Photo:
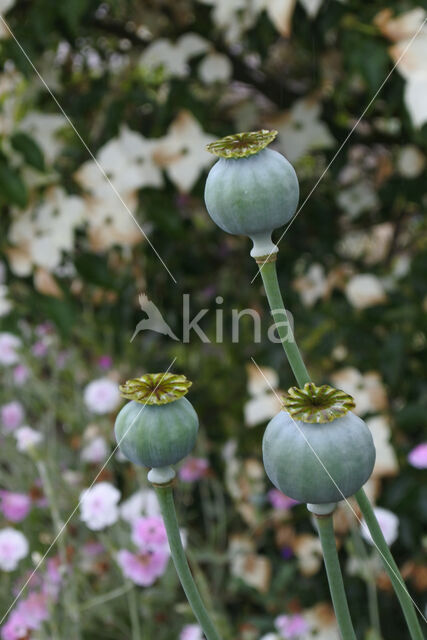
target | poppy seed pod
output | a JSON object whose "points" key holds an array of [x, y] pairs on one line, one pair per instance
{"points": [[316, 450], [251, 190], [159, 426]]}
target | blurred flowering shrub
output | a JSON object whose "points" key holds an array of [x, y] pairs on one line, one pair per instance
{"points": [[91, 196]]}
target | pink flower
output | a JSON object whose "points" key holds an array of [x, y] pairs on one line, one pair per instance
{"points": [[292, 626], [98, 506], [39, 349], [193, 469], [20, 374], [389, 524], [191, 632], [27, 617], [27, 439], [279, 501], [14, 506], [15, 628], [418, 456], [105, 362], [34, 610], [149, 534], [13, 547], [9, 344], [95, 451], [102, 396], [12, 415], [143, 568]]}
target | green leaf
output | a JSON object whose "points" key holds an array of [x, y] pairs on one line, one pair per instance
{"points": [[12, 188], [29, 149]]}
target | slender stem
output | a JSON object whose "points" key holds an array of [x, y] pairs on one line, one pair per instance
{"points": [[165, 497], [333, 570], [368, 576], [69, 592], [134, 615], [390, 566], [271, 285], [275, 300]]}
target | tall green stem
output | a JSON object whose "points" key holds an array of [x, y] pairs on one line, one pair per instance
{"points": [[333, 570], [271, 285], [390, 566], [368, 576], [165, 497], [275, 300]]}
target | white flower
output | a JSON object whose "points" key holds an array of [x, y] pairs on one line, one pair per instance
{"points": [[44, 128], [182, 151], [410, 56], [389, 524], [301, 130], [215, 67], [358, 198], [386, 460], [101, 396], [40, 234], [410, 161], [313, 285], [129, 164], [365, 290], [367, 389], [95, 451], [173, 58], [9, 344], [191, 632], [264, 403], [13, 547], [98, 506], [141, 503], [27, 438]]}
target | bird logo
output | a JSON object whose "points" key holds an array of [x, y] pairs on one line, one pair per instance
{"points": [[154, 321]]}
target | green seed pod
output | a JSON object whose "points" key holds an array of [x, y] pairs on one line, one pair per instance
{"points": [[251, 190], [159, 426], [314, 439]]}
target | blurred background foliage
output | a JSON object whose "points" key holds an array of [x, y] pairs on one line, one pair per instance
{"points": [[143, 87]]}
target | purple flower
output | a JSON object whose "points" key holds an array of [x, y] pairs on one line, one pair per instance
{"points": [[143, 568], [39, 349], [105, 362], [102, 396], [12, 415], [9, 345], [418, 456], [20, 374], [279, 501], [13, 547], [149, 534], [291, 626], [193, 469], [14, 506]]}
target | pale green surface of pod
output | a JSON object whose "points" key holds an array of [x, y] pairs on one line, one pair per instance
{"points": [[156, 435], [252, 195], [344, 446]]}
